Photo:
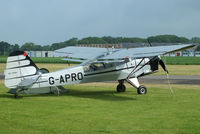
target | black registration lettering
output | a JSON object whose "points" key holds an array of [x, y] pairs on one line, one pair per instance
{"points": [[62, 79], [73, 75], [51, 80], [67, 76], [79, 76]]}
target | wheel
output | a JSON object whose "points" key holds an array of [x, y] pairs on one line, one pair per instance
{"points": [[142, 90], [16, 96], [121, 88]]}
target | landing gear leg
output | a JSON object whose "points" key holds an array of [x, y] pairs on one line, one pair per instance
{"points": [[16, 95], [135, 83], [58, 91], [121, 87]]}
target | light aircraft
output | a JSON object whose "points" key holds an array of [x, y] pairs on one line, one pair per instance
{"points": [[97, 65]]}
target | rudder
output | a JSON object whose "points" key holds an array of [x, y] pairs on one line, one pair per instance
{"points": [[19, 66]]}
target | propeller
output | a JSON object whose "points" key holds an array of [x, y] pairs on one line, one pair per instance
{"points": [[149, 43], [162, 64]]}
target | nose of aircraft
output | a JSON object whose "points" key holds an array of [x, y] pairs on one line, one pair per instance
{"points": [[162, 64]]}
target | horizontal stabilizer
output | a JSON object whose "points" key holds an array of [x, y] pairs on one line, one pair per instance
{"points": [[74, 60], [27, 82]]}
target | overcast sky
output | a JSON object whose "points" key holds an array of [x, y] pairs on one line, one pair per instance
{"points": [[48, 21]]}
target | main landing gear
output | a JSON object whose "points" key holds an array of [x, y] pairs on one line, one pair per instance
{"points": [[134, 82], [16, 95], [121, 87], [141, 90]]}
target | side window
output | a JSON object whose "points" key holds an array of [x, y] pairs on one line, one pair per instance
{"points": [[94, 67], [86, 69], [99, 66]]}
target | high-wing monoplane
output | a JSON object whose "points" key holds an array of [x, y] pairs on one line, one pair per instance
{"points": [[97, 65]]}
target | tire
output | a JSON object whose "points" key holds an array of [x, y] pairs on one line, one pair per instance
{"points": [[121, 88], [16, 96], [142, 90]]}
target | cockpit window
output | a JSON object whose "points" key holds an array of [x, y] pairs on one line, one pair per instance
{"points": [[98, 66]]}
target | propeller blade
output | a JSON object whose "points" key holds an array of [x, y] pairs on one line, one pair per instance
{"points": [[162, 64], [149, 43]]}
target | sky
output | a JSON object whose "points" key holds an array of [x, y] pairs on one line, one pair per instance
{"points": [[44, 22]]}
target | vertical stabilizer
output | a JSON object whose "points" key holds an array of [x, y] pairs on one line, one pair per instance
{"points": [[19, 67]]}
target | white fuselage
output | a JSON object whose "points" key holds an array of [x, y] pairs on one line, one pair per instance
{"points": [[98, 73]]}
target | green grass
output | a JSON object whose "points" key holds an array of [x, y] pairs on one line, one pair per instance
{"points": [[173, 69], [180, 70], [48, 60], [3, 59], [98, 109], [181, 60]]}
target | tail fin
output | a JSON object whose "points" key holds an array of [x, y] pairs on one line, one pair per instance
{"points": [[18, 67]]}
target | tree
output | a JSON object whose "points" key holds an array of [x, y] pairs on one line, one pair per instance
{"points": [[112, 40], [46, 48], [27, 46], [92, 40], [4, 48], [70, 42], [195, 40], [109, 39], [15, 47], [31, 47], [168, 39]]}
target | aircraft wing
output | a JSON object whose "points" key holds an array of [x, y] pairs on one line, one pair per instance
{"points": [[146, 51], [90, 54], [83, 52]]}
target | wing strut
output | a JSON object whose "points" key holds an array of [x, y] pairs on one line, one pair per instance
{"points": [[133, 71], [134, 81]]}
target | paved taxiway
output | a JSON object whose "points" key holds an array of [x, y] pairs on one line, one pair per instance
{"points": [[174, 79]]}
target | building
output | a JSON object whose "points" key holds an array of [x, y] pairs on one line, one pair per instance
{"points": [[40, 53], [101, 45]]}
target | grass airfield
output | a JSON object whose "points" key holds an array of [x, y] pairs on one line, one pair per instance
{"points": [[173, 69], [97, 109]]}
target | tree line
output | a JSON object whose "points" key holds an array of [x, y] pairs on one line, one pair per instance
{"points": [[6, 48]]}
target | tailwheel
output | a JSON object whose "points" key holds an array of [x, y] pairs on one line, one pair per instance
{"points": [[121, 88], [16, 95], [142, 90]]}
